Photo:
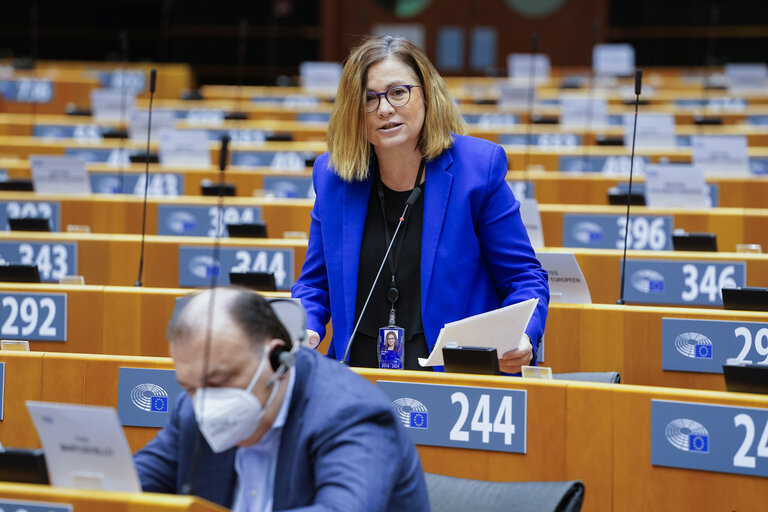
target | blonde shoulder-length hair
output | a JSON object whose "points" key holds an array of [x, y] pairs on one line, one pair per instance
{"points": [[350, 151]]}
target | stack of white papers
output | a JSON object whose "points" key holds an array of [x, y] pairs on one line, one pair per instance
{"points": [[501, 329]]}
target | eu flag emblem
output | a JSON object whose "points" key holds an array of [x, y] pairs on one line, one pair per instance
{"points": [[159, 404], [656, 286], [698, 443], [418, 419], [703, 351]]}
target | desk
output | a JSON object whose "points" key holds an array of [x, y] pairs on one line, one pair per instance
{"points": [[601, 267], [121, 214], [130, 321], [98, 501], [592, 188], [598, 433], [731, 225], [114, 259]]}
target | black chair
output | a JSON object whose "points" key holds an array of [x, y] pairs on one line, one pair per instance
{"points": [[605, 377], [450, 494]]}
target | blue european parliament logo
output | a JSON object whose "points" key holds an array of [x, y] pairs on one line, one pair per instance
{"points": [[146, 396], [418, 420], [412, 413], [687, 435]]}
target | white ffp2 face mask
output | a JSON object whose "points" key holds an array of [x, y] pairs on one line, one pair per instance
{"points": [[227, 416]]}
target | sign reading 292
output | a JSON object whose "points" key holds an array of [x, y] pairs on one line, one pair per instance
{"points": [[33, 316], [53, 260]]}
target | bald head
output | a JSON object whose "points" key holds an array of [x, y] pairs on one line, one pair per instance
{"points": [[225, 310]]}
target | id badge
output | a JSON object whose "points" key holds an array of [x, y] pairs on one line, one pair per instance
{"points": [[391, 348]]}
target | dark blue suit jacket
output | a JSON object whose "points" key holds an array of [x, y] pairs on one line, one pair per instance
{"points": [[475, 251], [341, 449]]}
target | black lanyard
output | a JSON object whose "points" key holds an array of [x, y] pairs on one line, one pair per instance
{"points": [[393, 294]]}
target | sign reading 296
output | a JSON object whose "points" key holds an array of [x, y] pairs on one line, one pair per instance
{"points": [[53, 260], [33, 316]]}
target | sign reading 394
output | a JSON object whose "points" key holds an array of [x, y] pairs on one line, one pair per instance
{"points": [[53, 260], [33, 316], [197, 266]]}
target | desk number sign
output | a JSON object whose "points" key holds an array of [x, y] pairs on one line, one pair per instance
{"points": [[492, 419]]}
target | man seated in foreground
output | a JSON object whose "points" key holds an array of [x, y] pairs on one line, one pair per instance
{"points": [[275, 435]]}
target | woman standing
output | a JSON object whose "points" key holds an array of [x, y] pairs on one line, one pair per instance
{"points": [[461, 250]]}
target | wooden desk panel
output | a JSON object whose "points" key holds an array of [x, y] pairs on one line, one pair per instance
{"points": [[99, 501], [114, 259], [130, 321], [636, 481], [581, 188], [731, 225], [594, 432]]}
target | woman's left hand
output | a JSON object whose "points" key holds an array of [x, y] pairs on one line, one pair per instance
{"points": [[512, 360]]}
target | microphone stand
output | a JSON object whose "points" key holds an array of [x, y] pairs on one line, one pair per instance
{"points": [[638, 87]]}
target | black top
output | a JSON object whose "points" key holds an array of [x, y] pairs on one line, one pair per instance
{"points": [[408, 274]]}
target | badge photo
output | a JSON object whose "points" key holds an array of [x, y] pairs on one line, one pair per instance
{"points": [[391, 349]]}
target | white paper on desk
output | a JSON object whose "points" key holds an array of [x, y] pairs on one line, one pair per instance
{"points": [[501, 329], [85, 446]]}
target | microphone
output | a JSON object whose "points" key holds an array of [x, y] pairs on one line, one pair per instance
{"points": [[408, 205], [638, 88], [189, 486], [531, 94], [152, 84]]}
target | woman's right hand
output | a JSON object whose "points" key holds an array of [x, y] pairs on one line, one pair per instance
{"points": [[313, 339]]}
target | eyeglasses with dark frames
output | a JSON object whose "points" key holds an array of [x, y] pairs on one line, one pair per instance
{"points": [[397, 96]]}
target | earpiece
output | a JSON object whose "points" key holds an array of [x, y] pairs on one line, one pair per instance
{"points": [[281, 356]]}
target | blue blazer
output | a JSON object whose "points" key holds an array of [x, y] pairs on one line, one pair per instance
{"points": [[475, 251], [342, 448]]}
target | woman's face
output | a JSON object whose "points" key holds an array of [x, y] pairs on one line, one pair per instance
{"points": [[391, 127], [391, 340]]}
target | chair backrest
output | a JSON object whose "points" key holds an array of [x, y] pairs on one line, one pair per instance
{"points": [[449, 494], [607, 377]]}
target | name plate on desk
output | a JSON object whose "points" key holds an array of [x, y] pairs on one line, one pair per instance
{"points": [[201, 220], [33, 506], [542, 140], [289, 186], [689, 345], [161, 184], [53, 260], [26, 90], [50, 210], [492, 419], [648, 232], [709, 437], [33, 316], [146, 396], [80, 132], [286, 160], [609, 165], [197, 266], [681, 282]]}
